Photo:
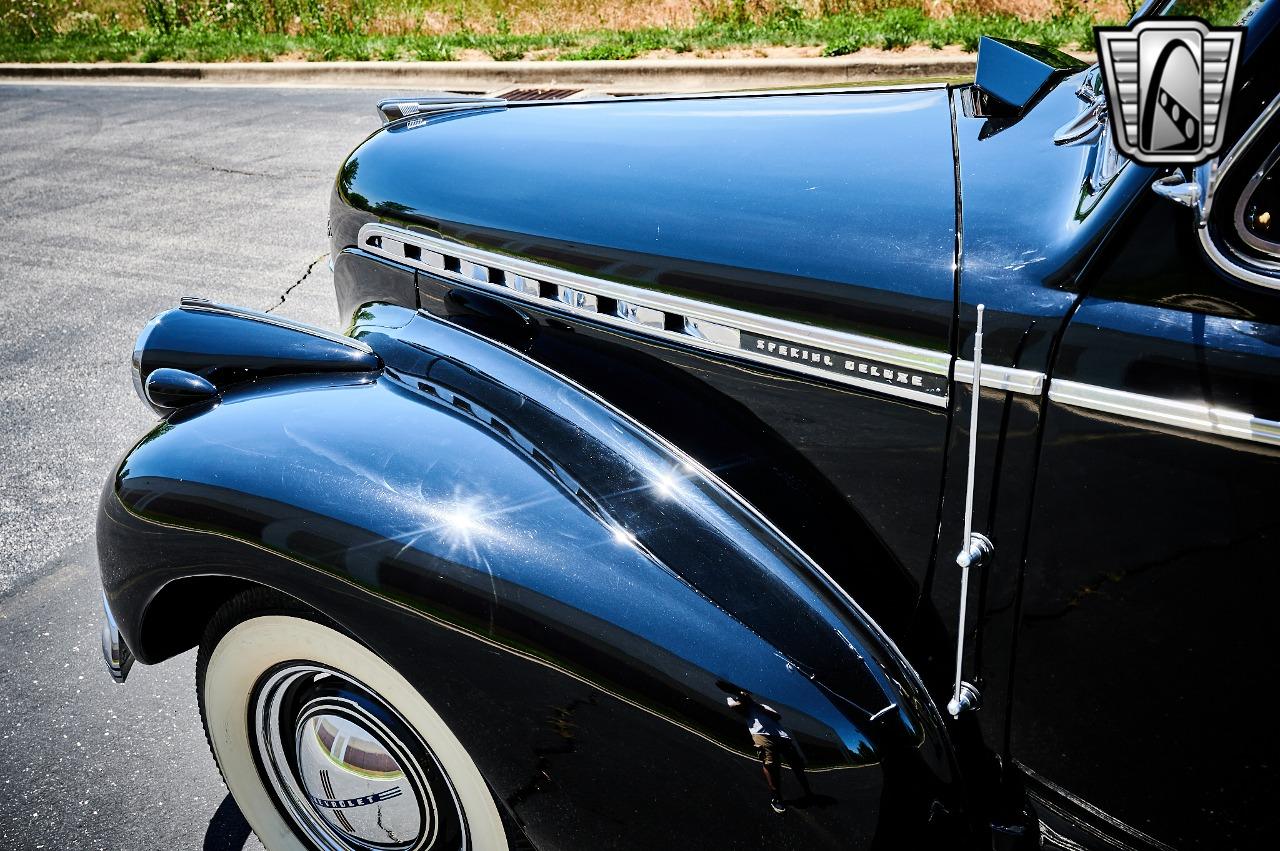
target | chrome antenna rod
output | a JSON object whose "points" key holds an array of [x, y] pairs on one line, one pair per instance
{"points": [[976, 547]]}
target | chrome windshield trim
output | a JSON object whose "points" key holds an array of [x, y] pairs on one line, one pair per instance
{"points": [[1238, 149], [1257, 243], [1197, 416], [1246, 269], [1233, 267]]}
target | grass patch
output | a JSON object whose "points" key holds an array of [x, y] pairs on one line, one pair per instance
{"points": [[226, 30]]}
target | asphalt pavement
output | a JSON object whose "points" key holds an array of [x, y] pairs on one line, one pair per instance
{"points": [[115, 202]]}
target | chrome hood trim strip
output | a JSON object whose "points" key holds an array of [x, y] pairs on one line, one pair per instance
{"points": [[907, 372], [1197, 416]]}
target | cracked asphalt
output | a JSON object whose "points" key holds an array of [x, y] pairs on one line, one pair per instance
{"points": [[116, 201]]}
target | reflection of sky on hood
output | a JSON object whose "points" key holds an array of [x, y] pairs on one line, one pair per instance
{"points": [[878, 106], [855, 188]]}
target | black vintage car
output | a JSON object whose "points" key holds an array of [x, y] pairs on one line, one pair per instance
{"points": [[647, 502]]}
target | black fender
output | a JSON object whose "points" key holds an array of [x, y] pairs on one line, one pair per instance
{"points": [[576, 597]]}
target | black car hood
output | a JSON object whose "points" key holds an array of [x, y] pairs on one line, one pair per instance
{"points": [[794, 203]]}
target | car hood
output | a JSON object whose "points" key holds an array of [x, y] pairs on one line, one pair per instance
{"points": [[795, 203]]}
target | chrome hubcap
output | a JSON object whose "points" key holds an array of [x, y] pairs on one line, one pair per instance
{"points": [[355, 783], [347, 769]]}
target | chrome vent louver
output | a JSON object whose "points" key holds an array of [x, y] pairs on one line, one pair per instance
{"points": [[406, 248], [540, 94]]}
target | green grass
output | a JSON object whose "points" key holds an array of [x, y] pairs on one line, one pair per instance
{"points": [[837, 34]]}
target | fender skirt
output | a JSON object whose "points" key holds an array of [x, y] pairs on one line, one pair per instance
{"points": [[581, 601]]}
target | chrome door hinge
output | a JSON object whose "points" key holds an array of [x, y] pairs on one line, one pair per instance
{"points": [[976, 548]]}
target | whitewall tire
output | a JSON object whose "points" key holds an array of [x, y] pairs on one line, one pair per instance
{"points": [[324, 745]]}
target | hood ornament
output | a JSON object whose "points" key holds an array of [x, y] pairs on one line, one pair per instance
{"points": [[394, 109], [1087, 126], [1092, 126]]}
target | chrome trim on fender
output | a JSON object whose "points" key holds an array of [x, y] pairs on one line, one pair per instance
{"points": [[114, 651], [1007, 378], [1196, 416], [907, 372]]}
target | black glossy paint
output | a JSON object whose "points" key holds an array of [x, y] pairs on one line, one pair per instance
{"points": [[168, 389], [1118, 637], [1143, 598], [226, 346], [1150, 627], [1025, 262], [794, 205], [1031, 220], [1014, 72], [780, 207], [510, 523]]}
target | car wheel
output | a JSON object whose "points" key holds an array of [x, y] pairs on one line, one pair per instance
{"points": [[325, 746]]}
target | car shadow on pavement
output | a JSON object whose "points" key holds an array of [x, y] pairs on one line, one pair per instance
{"points": [[228, 831]]}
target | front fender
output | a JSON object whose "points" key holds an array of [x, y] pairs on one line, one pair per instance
{"points": [[506, 539]]}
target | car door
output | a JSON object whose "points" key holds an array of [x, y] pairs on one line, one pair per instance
{"points": [[1146, 627]]}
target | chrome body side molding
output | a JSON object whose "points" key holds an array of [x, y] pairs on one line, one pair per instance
{"points": [[907, 372], [1197, 416], [1025, 381]]}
